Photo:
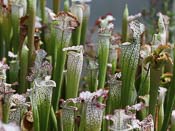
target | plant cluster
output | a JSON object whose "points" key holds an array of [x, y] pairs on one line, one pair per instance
{"points": [[54, 77]]}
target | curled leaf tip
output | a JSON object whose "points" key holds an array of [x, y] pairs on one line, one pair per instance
{"points": [[66, 21], [88, 96], [105, 24], [42, 69], [74, 48], [137, 28]]}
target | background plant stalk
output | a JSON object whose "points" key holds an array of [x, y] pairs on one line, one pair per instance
{"points": [[64, 39], [31, 11], [103, 53], [56, 6], [171, 100]]}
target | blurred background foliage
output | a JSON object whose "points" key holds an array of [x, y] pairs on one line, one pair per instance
{"points": [[148, 7]]}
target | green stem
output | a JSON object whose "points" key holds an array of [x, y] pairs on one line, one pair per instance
{"points": [[171, 99], [44, 112], [113, 58], [144, 89], [23, 69], [6, 111], [154, 86], [51, 44], [83, 116], [77, 10], [114, 65], [76, 35], [15, 38], [85, 21], [103, 53], [31, 11], [54, 119], [145, 81], [42, 10], [59, 66], [160, 116], [42, 13], [83, 30], [161, 99], [36, 118], [56, 6], [13, 72], [92, 76], [172, 121], [5, 35]]}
